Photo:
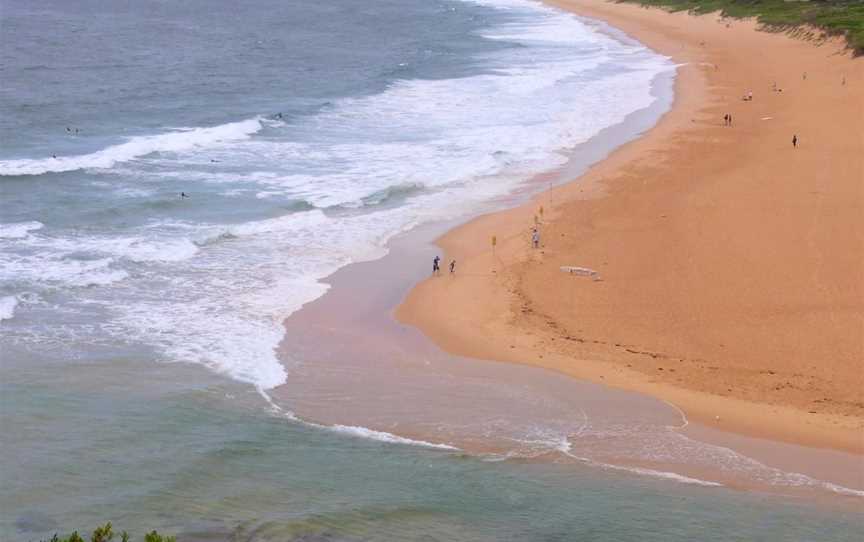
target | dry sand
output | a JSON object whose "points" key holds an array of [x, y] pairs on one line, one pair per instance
{"points": [[731, 263]]}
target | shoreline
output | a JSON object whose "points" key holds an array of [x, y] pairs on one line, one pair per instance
{"points": [[402, 388], [515, 304]]}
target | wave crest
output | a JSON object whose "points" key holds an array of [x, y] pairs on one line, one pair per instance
{"points": [[18, 230], [135, 147]]}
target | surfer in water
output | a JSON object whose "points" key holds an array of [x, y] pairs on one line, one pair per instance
{"points": [[183, 195]]}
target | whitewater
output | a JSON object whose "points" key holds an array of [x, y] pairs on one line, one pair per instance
{"points": [[279, 202]]}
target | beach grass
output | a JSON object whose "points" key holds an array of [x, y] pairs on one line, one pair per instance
{"points": [[834, 17]]}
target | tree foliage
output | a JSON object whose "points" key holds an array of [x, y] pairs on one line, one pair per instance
{"points": [[105, 533]]}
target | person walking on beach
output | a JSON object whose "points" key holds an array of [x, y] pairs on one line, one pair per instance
{"points": [[452, 267], [794, 140], [435, 267], [535, 238], [726, 119]]}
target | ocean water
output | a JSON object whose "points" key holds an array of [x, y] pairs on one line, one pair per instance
{"points": [[306, 136], [138, 328]]}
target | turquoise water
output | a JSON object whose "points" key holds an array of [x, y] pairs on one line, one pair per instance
{"points": [[210, 461]]}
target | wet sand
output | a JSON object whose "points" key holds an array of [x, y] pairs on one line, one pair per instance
{"points": [[731, 264], [356, 369], [353, 367]]}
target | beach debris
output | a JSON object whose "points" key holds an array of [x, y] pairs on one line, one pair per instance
{"points": [[581, 271]]}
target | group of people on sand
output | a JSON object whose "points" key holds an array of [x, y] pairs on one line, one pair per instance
{"points": [[748, 97], [436, 261], [436, 266]]}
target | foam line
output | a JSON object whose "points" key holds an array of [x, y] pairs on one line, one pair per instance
{"points": [[353, 430], [135, 147]]}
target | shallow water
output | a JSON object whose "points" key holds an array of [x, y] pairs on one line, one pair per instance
{"points": [[158, 452], [354, 368]]}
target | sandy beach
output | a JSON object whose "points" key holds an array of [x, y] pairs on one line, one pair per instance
{"points": [[730, 264]]}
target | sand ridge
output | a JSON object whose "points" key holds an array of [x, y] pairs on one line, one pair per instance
{"points": [[731, 264]]}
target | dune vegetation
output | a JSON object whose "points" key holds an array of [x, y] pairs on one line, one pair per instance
{"points": [[833, 17]]}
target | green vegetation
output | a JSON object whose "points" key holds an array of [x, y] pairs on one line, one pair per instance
{"points": [[105, 533], [834, 17]]}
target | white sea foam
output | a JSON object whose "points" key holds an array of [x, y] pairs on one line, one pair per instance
{"points": [[58, 271], [142, 250], [353, 430], [19, 230], [842, 490], [660, 474], [156, 247], [136, 147], [364, 432], [372, 166], [7, 307]]}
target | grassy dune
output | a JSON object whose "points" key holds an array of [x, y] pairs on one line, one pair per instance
{"points": [[834, 17]]}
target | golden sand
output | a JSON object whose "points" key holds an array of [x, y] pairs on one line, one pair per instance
{"points": [[731, 264]]}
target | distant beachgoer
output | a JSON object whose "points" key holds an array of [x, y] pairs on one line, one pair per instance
{"points": [[435, 267], [730, 119], [804, 76], [726, 119], [535, 238], [794, 140], [843, 82], [749, 95], [452, 267]]}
